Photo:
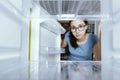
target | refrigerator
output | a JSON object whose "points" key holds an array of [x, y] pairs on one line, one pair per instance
{"points": [[30, 37]]}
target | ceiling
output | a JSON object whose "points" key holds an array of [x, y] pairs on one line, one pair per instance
{"points": [[71, 7]]}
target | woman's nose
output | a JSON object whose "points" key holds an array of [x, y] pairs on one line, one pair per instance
{"points": [[77, 31]]}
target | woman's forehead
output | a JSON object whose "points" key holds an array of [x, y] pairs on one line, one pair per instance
{"points": [[77, 22]]}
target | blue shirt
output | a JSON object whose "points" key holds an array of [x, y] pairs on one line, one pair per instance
{"points": [[82, 52]]}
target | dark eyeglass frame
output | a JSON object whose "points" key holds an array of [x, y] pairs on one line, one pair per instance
{"points": [[80, 28]]}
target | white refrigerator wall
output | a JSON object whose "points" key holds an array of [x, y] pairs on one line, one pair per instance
{"points": [[110, 50], [14, 39], [110, 38], [8, 30], [14, 34]]}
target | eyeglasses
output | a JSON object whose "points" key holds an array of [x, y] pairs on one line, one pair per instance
{"points": [[80, 28]]}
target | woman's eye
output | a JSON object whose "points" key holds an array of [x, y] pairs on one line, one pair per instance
{"points": [[72, 28], [80, 26]]}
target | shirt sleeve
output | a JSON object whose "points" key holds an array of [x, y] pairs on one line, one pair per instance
{"points": [[95, 39], [67, 37]]}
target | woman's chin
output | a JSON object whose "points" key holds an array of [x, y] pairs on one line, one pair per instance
{"points": [[78, 37]]}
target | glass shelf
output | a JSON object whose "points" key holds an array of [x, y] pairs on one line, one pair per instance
{"points": [[53, 26], [51, 50]]}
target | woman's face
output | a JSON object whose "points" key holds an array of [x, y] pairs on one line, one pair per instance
{"points": [[78, 28]]}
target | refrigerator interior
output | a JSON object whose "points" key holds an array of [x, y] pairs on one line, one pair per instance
{"points": [[30, 39]]}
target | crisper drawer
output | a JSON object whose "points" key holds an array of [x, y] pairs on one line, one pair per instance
{"points": [[70, 70], [81, 70]]}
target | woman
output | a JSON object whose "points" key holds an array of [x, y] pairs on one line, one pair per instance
{"points": [[80, 43]]}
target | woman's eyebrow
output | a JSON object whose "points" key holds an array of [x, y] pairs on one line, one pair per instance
{"points": [[81, 24], [72, 26]]}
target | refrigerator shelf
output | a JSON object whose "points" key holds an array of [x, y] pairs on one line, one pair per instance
{"points": [[51, 50]]}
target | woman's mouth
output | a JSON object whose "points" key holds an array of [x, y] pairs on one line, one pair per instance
{"points": [[78, 35]]}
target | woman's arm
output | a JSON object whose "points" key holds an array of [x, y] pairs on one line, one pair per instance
{"points": [[99, 30], [97, 47], [97, 51], [63, 43]]}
